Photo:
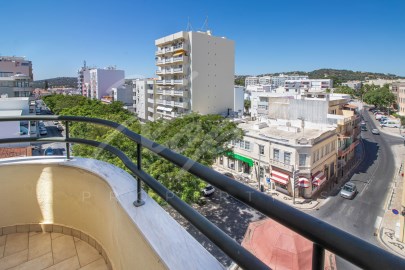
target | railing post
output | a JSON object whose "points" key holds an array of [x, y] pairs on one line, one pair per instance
{"points": [[67, 137], [318, 257], [138, 201]]}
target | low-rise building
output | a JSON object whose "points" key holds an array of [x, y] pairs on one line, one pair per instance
{"points": [[251, 81], [98, 83], [401, 98], [308, 85], [281, 155], [355, 85], [15, 76]]}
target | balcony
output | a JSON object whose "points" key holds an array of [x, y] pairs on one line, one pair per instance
{"points": [[177, 70], [150, 91], [178, 81], [181, 104], [178, 59], [178, 47], [151, 100], [150, 109], [281, 165], [150, 118], [106, 207]]}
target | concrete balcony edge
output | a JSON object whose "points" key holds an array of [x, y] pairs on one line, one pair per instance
{"points": [[176, 248]]}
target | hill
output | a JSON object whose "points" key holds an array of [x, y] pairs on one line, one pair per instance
{"points": [[338, 75], [69, 82]]}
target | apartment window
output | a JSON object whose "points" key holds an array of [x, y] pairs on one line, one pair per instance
{"points": [[302, 159], [247, 145], [261, 172], [287, 158], [276, 154], [242, 144], [261, 149]]}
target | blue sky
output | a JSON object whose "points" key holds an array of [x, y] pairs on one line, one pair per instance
{"points": [[270, 36]]}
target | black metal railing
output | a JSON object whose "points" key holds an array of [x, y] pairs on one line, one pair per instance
{"points": [[323, 235]]}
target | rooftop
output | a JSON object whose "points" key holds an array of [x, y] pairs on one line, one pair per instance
{"points": [[279, 130]]}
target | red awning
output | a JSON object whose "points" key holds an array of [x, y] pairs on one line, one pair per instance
{"points": [[318, 178], [279, 177], [303, 182]]}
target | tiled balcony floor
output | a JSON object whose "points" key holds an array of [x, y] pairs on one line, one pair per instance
{"points": [[51, 251]]}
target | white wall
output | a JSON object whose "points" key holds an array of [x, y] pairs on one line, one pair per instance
{"points": [[213, 70], [238, 101]]}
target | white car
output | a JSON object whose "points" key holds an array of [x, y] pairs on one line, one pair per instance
{"points": [[208, 190], [375, 131]]}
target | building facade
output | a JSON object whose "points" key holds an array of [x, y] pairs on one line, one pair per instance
{"points": [[196, 74], [99, 83], [15, 76], [401, 98], [251, 81], [143, 97], [284, 157], [308, 85]]}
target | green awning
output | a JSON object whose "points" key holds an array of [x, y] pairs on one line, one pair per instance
{"points": [[249, 161]]}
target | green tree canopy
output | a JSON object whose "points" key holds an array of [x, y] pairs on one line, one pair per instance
{"points": [[202, 138], [379, 96]]}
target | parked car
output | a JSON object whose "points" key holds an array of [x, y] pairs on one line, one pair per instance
{"points": [[60, 127], [375, 131], [348, 191], [55, 122], [363, 128], [49, 152], [43, 131], [208, 190], [391, 123]]}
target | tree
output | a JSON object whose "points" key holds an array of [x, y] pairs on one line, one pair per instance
{"points": [[202, 138], [379, 96], [247, 104], [344, 90]]}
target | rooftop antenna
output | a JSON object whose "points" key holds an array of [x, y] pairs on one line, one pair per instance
{"points": [[204, 27], [84, 64], [189, 27]]}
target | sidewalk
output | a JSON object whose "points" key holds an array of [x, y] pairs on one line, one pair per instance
{"points": [[389, 226], [300, 203]]}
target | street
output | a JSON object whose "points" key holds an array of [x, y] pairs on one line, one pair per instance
{"points": [[52, 131], [372, 177]]}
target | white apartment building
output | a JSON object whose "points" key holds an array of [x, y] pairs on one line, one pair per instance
{"points": [[196, 74], [143, 99], [99, 83], [265, 80], [251, 81], [260, 88], [278, 81], [15, 76], [16, 106], [308, 85], [239, 100], [355, 85], [123, 93]]}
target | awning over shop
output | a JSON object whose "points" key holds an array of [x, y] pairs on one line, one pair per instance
{"points": [[318, 178], [178, 53], [304, 182], [247, 160], [279, 177]]}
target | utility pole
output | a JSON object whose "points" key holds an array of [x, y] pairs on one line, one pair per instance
{"points": [[293, 184]]}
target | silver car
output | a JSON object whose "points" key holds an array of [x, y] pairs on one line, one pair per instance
{"points": [[348, 191]]}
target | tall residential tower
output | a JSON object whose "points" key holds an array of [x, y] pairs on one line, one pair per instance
{"points": [[196, 74]]}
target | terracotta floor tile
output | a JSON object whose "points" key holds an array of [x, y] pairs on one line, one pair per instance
{"points": [[63, 248], [13, 260], [39, 263], [97, 265], [15, 242], [86, 253], [68, 264], [39, 245]]}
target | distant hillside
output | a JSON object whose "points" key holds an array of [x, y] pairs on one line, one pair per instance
{"points": [[70, 82], [338, 75]]}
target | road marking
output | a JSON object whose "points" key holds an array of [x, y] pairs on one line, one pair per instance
{"points": [[377, 222]]}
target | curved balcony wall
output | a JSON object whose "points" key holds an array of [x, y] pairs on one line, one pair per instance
{"points": [[96, 198]]}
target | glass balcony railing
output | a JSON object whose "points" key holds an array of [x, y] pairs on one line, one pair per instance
{"points": [[323, 235]]}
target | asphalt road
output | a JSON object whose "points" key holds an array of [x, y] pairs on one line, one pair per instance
{"points": [[372, 177]]}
